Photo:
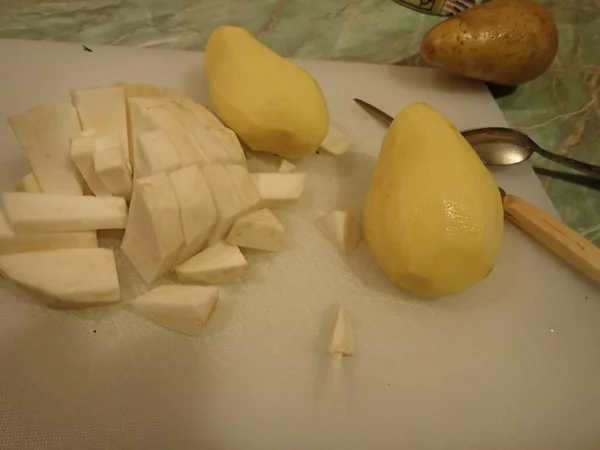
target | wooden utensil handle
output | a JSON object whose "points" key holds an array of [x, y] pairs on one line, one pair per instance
{"points": [[557, 237]]}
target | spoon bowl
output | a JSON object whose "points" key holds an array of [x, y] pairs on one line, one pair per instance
{"points": [[500, 146]]}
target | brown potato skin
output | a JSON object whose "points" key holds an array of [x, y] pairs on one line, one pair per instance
{"points": [[505, 42]]}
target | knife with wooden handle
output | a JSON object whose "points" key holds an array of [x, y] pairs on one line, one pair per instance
{"points": [[554, 235]]}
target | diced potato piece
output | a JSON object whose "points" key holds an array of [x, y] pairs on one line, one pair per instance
{"points": [[215, 146], [278, 189], [178, 127], [342, 345], [164, 116], [286, 167], [83, 148], [336, 142], [70, 278], [46, 213], [198, 210], [231, 142], [229, 206], [154, 236], [220, 263], [173, 94], [24, 243], [206, 118], [112, 168], [28, 183], [203, 115], [212, 144], [150, 108], [141, 90], [185, 309], [190, 152], [244, 186], [138, 120], [103, 110], [260, 230], [156, 154], [44, 134], [341, 228], [342, 342]]}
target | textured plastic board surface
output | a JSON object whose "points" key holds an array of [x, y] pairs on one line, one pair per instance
{"points": [[512, 363]]}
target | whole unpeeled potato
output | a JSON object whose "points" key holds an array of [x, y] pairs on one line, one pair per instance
{"points": [[505, 42]]}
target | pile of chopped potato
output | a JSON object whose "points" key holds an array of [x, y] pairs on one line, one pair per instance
{"points": [[162, 167]]}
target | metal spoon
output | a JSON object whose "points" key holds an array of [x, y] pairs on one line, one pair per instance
{"points": [[497, 146]]}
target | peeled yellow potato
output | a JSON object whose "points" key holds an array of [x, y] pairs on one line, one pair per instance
{"points": [[507, 42], [433, 215], [272, 104]]}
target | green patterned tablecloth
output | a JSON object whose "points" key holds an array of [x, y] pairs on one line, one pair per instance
{"points": [[559, 110]]}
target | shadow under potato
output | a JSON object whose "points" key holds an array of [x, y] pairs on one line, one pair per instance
{"points": [[497, 90], [500, 90]]}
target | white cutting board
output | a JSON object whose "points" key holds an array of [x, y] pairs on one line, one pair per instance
{"points": [[512, 363]]}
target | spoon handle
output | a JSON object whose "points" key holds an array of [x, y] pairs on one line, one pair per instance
{"points": [[569, 177], [581, 166], [553, 234]]}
